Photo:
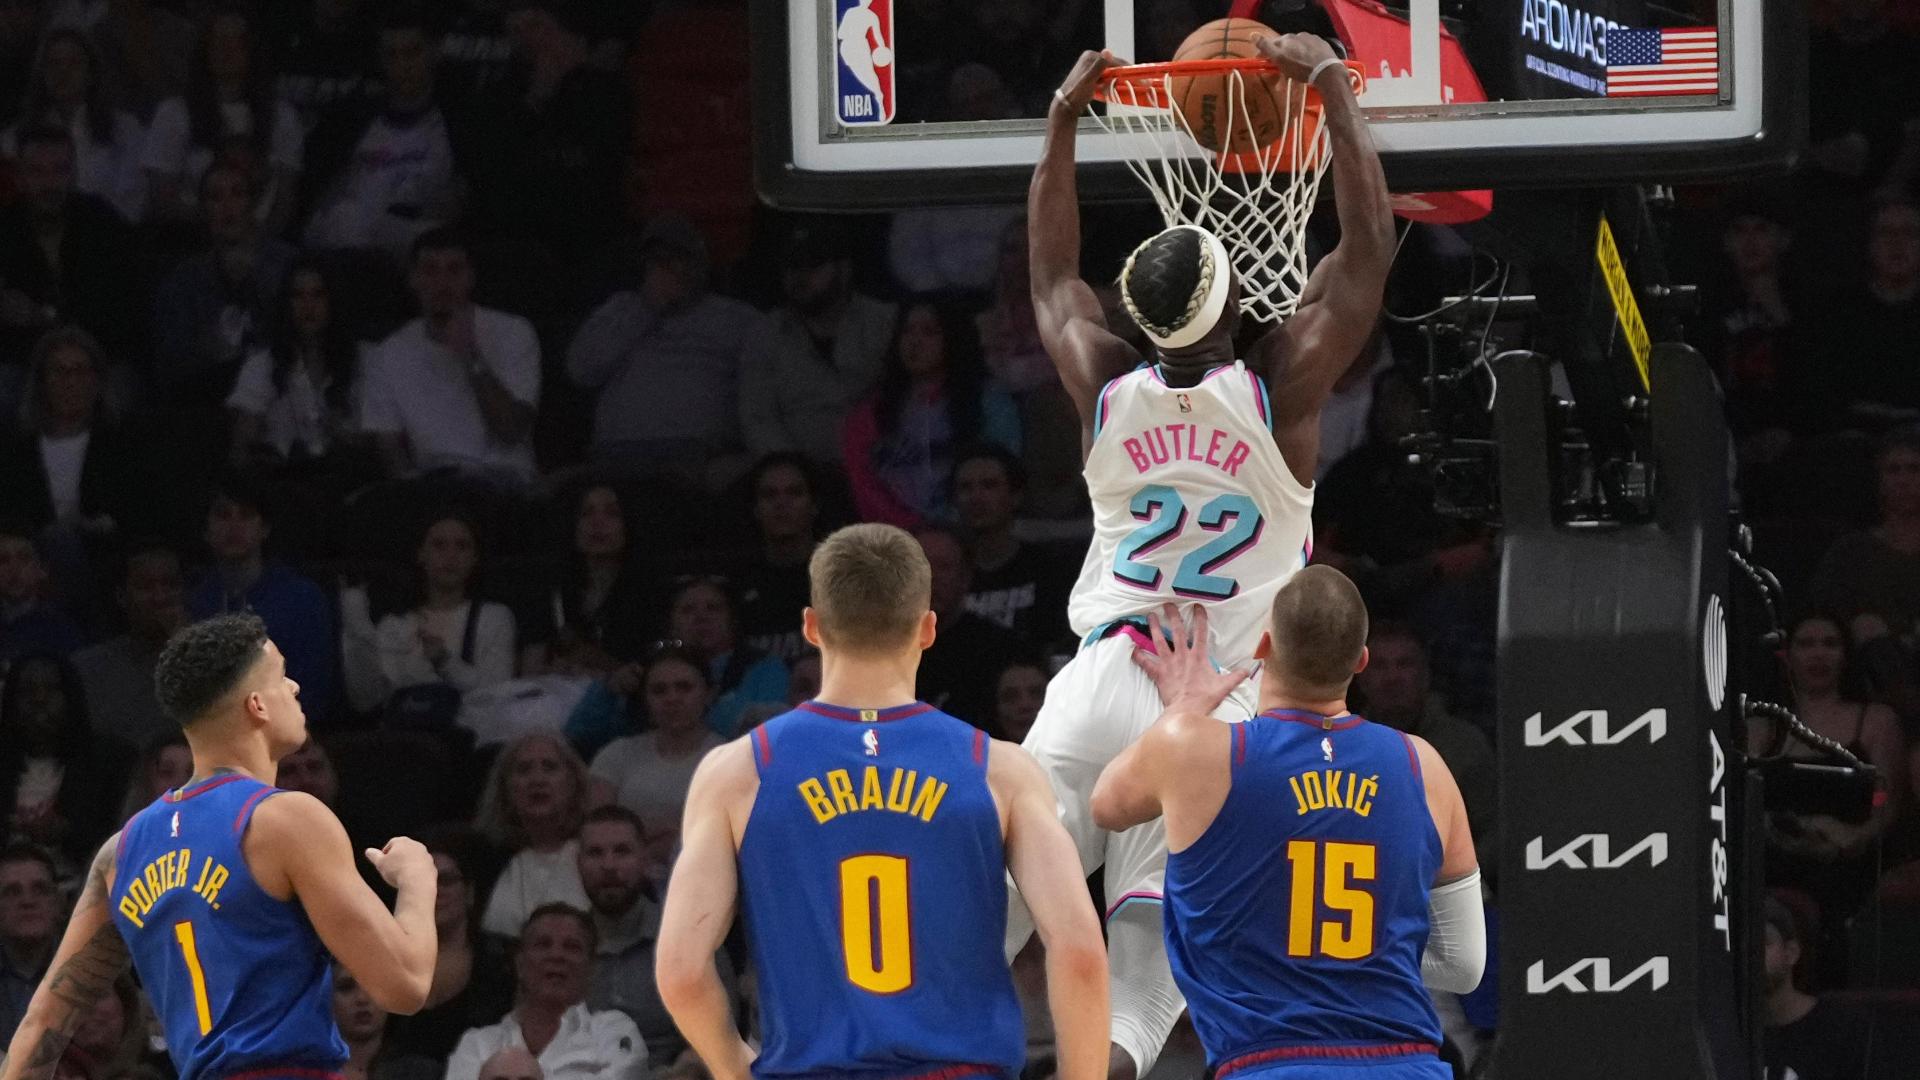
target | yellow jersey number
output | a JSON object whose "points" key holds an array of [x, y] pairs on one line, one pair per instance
{"points": [[1343, 863], [876, 929], [190, 952]]}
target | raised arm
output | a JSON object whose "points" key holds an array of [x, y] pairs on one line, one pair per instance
{"points": [[297, 849], [90, 957], [699, 910], [1046, 869], [1303, 357], [1073, 326]]}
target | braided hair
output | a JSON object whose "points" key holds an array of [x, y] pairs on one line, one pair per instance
{"points": [[1166, 279]]}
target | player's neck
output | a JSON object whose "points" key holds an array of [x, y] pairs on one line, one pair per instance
{"points": [[868, 682], [1275, 696], [212, 758]]}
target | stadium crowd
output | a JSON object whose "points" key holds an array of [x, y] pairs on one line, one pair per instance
{"points": [[451, 342]]}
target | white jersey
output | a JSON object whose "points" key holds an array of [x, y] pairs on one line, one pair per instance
{"points": [[1191, 501]]}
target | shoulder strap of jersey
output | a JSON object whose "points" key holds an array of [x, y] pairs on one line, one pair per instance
{"points": [[1262, 401], [763, 746], [1103, 404], [252, 803]]}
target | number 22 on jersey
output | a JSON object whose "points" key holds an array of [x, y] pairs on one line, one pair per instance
{"points": [[876, 931], [1325, 873], [1163, 514]]}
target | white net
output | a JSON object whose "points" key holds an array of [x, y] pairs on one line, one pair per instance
{"points": [[1257, 202]]}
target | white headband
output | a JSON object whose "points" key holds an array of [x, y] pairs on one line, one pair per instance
{"points": [[1216, 272]]}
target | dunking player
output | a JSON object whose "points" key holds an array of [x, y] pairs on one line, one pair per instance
{"points": [[1321, 866], [1201, 469], [868, 836], [228, 894]]}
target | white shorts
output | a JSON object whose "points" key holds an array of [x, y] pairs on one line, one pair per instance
{"points": [[1096, 707]]}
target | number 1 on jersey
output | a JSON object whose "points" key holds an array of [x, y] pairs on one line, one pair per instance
{"points": [[1344, 863], [183, 933], [876, 929]]}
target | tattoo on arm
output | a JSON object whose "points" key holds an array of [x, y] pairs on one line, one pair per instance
{"points": [[90, 972]]}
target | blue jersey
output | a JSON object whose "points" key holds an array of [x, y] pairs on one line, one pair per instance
{"points": [[874, 883], [1296, 922], [239, 979]]}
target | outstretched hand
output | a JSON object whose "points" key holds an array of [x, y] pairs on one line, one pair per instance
{"points": [[1180, 665], [1081, 83]]}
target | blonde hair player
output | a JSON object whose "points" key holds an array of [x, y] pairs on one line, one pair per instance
{"points": [[1200, 464], [866, 834]]}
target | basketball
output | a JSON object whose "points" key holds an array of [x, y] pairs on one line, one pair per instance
{"points": [[1203, 99]]}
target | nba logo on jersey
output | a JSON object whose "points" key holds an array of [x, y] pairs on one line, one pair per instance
{"points": [[176, 823], [872, 742], [864, 54], [1326, 749], [1186, 403]]}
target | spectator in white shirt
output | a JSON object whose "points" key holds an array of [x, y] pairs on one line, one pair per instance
{"points": [[534, 803], [457, 387], [388, 175], [229, 112], [512, 1063], [447, 637], [296, 398], [650, 773], [66, 91], [550, 1018]]}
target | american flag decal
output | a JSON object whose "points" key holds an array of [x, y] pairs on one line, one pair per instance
{"points": [[1647, 63]]}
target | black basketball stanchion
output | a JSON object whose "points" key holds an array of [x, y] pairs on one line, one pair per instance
{"points": [[1625, 935]]}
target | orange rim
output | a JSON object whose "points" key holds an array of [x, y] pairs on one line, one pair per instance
{"points": [[1145, 78]]}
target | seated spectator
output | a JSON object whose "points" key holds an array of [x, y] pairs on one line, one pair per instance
{"points": [[932, 399], [650, 773], [56, 788], [626, 916], [66, 90], [296, 397], [111, 1039], [803, 677], [1806, 1036], [446, 637], [1009, 331], [964, 645], [669, 340], [29, 622], [511, 1063], [229, 114], [1018, 692], [1833, 861], [1397, 690], [165, 763], [215, 304], [65, 258], [592, 621], [242, 578], [1018, 587], [1877, 571], [387, 174], [457, 387], [552, 167], [771, 576], [701, 616], [310, 769], [1864, 360], [553, 964], [1749, 333], [73, 469], [823, 353], [29, 927], [363, 1026], [535, 799], [117, 674], [471, 980]]}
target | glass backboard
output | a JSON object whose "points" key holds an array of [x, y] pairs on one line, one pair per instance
{"points": [[863, 104]]}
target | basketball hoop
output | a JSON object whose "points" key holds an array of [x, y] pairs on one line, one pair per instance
{"points": [[1256, 201]]}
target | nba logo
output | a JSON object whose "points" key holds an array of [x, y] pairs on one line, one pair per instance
{"points": [[871, 741], [1186, 403], [864, 33], [176, 823]]}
